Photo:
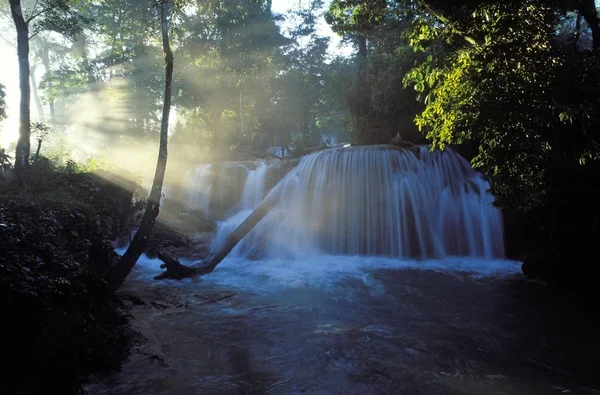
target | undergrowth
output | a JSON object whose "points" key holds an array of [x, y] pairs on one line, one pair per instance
{"points": [[60, 323]]}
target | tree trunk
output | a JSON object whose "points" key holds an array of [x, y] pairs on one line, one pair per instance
{"points": [[37, 152], [36, 97], [23, 145], [363, 93], [362, 60], [119, 272], [241, 110], [587, 8], [80, 47], [52, 111], [577, 34], [45, 57], [176, 270]]}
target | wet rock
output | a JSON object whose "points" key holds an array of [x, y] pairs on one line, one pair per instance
{"points": [[133, 299], [277, 170], [175, 215], [227, 188], [177, 243], [191, 251], [160, 305]]}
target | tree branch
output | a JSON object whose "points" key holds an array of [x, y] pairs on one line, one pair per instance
{"points": [[42, 11], [33, 10], [33, 35], [447, 21]]}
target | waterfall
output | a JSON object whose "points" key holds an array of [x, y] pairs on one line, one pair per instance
{"points": [[379, 200], [218, 189], [254, 188], [199, 188], [253, 192]]}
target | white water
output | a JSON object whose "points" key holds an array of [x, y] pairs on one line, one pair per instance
{"points": [[254, 189], [348, 211], [225, 188], [254, 192], [324, 272], [199, 187], [379, 201]]}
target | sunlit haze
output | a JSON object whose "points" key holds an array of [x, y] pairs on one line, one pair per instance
{"points": [[9, 70], [95, 117]]}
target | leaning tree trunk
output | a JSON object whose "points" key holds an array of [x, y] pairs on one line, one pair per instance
{"points": [[176, 270], [119, 272], [23, 148]]}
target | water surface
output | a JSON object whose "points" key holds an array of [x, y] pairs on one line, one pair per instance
{"points": [[355, 325]]}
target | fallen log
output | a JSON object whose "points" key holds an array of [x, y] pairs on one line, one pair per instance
{"points": [[176, 270]]}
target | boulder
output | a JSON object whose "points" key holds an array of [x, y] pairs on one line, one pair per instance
{"points": [[175, 215], [277, 170]]}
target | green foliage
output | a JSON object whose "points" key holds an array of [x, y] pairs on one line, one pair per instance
{"points": [[58, 150], [299, 91], [66, 82], [5, 160], [380, 106], [225, 52], [60, 16], [355, 16], [40, 131], [506, 90], [241, 82], [499, 77]]}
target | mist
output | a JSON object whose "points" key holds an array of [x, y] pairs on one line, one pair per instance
{"points": [[246, 77]]}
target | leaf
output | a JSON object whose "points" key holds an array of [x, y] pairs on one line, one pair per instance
{"points": [[565, 118], [471, 41], [427, 98]]}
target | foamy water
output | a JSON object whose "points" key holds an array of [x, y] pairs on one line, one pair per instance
{"points": [[324, 271]]}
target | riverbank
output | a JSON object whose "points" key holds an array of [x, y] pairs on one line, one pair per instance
{"points": [[60, 322]]}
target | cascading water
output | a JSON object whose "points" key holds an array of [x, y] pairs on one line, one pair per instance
{"points": [[254, 188], [253, 193], [379, 200], [217, 189], [199, 185]]}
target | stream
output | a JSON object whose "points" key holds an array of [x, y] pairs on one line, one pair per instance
{"points": [[352, 285], [356, 325]]}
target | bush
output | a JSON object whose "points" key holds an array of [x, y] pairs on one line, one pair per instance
{"points": [[60, 322]]}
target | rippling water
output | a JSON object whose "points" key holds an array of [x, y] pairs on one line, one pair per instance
{"points": [[355, 325]]}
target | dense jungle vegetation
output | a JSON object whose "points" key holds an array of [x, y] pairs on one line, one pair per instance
{"points": [[514, 84]]}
